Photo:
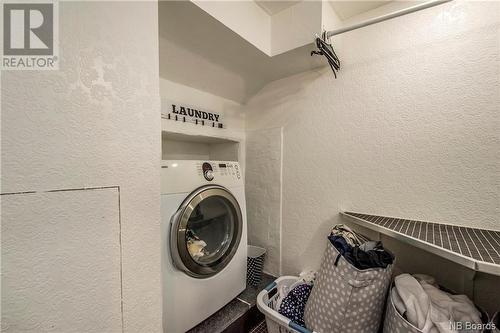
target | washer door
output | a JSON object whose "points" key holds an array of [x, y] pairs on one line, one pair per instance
{"points": [[206, 231]]}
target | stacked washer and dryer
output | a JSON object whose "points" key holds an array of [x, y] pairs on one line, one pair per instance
{"points": [[204, 239]]}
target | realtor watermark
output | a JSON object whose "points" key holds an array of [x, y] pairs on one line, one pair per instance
{"points": [[30, 35], [469, 326]]}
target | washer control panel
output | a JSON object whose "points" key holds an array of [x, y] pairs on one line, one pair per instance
{"points": [[208, 171], [213, 170]]}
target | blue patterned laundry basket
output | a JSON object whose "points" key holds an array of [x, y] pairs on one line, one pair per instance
{"points": [[266, 301]]}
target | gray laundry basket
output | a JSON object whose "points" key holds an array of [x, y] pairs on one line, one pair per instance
{"points": [[345, 299], [395, 323]]}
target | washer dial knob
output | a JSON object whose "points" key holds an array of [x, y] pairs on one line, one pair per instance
{"points": [[209, 175]]}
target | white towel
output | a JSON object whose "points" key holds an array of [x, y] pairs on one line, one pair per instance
{"points": [[429, 308], [415, 299], [398, 302]]}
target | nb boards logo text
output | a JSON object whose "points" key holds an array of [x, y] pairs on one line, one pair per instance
{"points": [[30, 36]]}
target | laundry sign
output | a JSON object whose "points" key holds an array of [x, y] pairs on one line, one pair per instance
{"points": [[189, 114]]}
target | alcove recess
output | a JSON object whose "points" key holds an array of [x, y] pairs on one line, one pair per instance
{"points": [[179, 146]]}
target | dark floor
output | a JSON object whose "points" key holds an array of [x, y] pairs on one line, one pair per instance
{"points": [[238, 316], [260, 328]]}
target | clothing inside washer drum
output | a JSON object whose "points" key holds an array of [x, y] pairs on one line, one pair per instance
{"points": [[195, 245], [210, 230]]}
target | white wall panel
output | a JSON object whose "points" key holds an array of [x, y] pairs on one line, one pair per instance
{"points": [[61, 262]]}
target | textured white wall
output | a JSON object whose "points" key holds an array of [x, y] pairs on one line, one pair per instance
{"points": [[410, 128], [95, 122], [263, 189]]}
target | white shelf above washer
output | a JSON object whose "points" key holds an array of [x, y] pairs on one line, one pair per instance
{"points": [[180, 146]]}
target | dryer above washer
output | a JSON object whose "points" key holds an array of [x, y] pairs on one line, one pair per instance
{"points": [[180, 176]]}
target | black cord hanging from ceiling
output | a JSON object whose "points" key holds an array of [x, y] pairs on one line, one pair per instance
{"points": [[326, 49]]}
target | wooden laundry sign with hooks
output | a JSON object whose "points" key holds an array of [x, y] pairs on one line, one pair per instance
{"points": [[188, 114]]}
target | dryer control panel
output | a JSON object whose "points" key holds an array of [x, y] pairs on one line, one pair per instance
{"points": [[179, 176], [213, 170]]}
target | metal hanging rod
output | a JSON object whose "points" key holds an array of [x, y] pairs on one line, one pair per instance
{"points": [[386, 17]]}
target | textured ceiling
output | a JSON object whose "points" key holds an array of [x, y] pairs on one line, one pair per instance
{"points": [[347, 9], [273, 7], [210, 57]]}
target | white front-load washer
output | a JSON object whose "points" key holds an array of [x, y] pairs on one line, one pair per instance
{"points": [[204, 239]]}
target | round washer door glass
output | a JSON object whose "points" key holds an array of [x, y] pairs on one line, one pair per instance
{"points": [[206, 231]]}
